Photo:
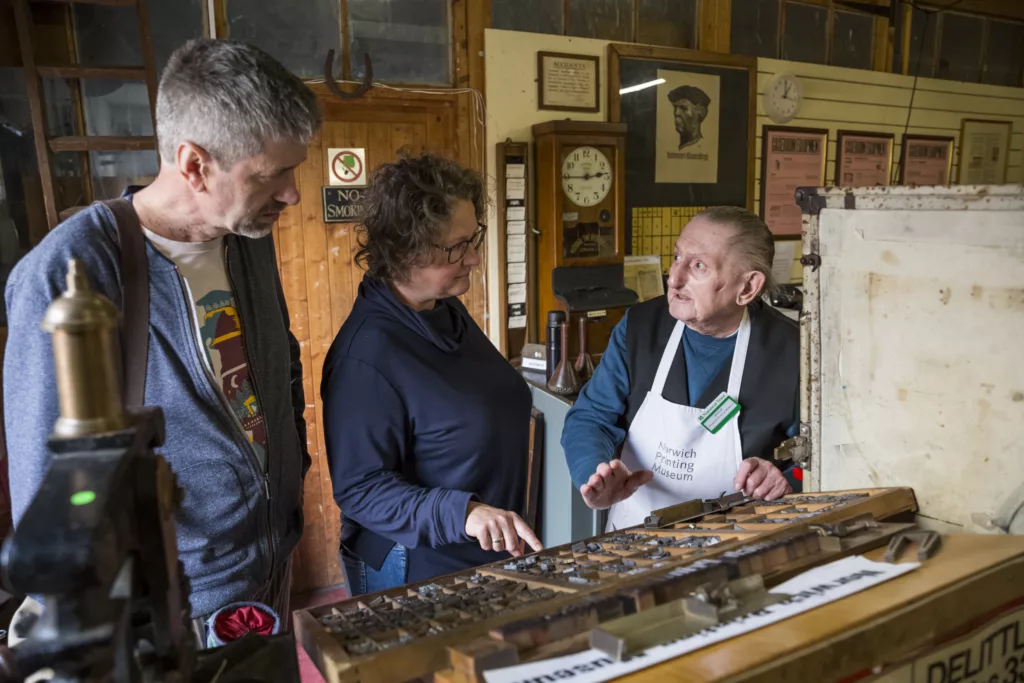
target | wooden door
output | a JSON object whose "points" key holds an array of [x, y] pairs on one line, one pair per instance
{"points": [[320, 278]]}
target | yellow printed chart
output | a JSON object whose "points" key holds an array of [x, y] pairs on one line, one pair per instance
{"points": [[655, 230]]}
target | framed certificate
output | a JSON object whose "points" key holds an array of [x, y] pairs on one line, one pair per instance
{"points": [[568, 82], [863, 159], [984, 151], [926, 160], [790, 158]]}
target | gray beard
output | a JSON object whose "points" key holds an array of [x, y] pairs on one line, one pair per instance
{"points": [[254, 230]]}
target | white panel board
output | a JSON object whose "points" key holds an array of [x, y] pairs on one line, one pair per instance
{"points": [[922, 355]]}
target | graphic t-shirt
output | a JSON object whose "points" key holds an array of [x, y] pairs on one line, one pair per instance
{"points": [[219, 329]]}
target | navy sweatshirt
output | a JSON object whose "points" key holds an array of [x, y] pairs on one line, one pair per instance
{"points": [[421, 415]]}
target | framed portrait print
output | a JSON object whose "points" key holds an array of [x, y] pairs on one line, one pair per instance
{"points": [[984, 151], [926, 160], [687, 119], [790, 158], [691, 130], [863, 159], [568, 82]]}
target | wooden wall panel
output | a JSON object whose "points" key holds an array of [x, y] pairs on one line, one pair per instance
{"points": [[460, 42], [343, 274], [467, 138], [478, 20], [409, 137], [714, 19], [437, 136], [321, 334], [293, 280]]}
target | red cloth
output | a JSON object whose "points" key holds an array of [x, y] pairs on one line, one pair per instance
{"points": [[233, 624]]}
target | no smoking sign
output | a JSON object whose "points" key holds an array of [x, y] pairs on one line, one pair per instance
{"points": [[346, 167]]}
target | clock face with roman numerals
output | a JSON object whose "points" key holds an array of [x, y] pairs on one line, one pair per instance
{"points": [[586, 176]]}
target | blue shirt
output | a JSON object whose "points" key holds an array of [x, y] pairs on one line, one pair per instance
{"points": [[705, 356], [592, 434]]}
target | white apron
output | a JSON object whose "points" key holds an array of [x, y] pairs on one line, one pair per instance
{"points": [[688, 461]]}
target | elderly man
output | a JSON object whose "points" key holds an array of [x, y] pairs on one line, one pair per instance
{"points": [[232, 125], [709, 341], [689, 108]]}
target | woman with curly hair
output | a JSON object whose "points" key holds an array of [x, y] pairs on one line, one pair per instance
{"points": [[426, 424]]}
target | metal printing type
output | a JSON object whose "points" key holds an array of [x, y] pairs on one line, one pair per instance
{"points": [[928, 544]]}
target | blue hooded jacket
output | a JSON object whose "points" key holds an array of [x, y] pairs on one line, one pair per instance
{"points": [[237, 521]]}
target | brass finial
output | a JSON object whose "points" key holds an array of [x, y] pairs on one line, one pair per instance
{"points": [[86, 356]]}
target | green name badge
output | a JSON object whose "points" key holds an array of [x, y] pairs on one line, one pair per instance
{"points": [[718, 414]]}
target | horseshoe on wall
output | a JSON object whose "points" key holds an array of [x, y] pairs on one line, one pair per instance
{"points": [[332, 85]]}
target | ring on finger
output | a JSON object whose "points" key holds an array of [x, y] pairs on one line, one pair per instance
{"points": [[497, 541]]}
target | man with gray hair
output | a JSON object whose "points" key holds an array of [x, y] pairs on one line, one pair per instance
{"points": [[697, 387], [232, 126]]}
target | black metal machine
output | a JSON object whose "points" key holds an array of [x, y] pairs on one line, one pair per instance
{"points": [[788, 296], [591, 288], [97, 544]]}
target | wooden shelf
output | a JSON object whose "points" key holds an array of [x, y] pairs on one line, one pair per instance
{"points": [[87, 143], [112, 3], [120, 73]]}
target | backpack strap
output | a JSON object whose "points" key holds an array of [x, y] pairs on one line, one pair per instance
{"points": [[134, 300]]}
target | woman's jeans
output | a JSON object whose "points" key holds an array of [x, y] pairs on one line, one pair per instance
{"points": [[361, 579]]}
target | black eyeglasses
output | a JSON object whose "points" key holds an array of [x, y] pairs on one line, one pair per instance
{"points": [[457, 252]]}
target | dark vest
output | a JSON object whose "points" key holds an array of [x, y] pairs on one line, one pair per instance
{"points": [[769, 392]]}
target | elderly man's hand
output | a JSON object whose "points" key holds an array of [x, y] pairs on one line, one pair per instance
{"points": [[760, 479], [611, 483]]}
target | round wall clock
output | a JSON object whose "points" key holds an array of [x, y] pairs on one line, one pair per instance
{"points": [[587, 176], [782, 98]]}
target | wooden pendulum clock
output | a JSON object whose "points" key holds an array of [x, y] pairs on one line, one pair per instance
{"points": [[580, 169]]}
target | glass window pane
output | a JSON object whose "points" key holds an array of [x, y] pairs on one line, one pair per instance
{"points": [[604, 19], [668, 23], [113, 171], [297, 33], [960, 47], [119, 108], [755, 28], [409, 41], [804, 37], [60, 108], [532, 16], [923, 29], [109, 36], [1004, 54], [68, 179], [173, 23], [853, 38]]}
